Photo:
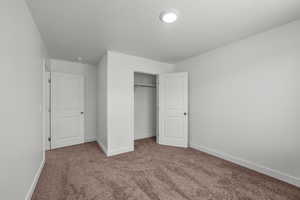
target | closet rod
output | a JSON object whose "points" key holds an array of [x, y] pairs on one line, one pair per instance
{"points": [[139, 85]]}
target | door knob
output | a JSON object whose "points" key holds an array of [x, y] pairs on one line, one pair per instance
{"points": [[185, 113], [82, 113]]}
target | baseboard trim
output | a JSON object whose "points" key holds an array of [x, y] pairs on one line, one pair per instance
{"points": [[173, 143], [115, 152], [256, 167], [90, 140], [146, 135], [35, 180], [101, 145]]}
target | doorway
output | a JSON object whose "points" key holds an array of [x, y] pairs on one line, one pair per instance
{"points": [[65, 103], [145, 106], [161, 108], [173, 109]]}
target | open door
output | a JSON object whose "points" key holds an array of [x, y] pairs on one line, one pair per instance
{"points": [[173, 109], [67, 110]]}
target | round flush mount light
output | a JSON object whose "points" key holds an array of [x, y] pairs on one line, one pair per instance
{"points": [[169, 16], [79, 58]]}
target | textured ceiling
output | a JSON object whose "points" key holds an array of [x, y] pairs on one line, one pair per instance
{"points": [[87, 28]]}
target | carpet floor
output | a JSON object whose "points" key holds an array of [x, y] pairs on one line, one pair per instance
{"points": [[152, 172]]}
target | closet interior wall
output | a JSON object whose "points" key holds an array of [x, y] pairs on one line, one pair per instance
{"points": [[144, 106]]}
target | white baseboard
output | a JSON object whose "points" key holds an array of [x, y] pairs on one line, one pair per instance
{"points": [[181, 143], [144, 136], [115, 152], [256, 167], [35, 180], [90, 140], [101, 145]]}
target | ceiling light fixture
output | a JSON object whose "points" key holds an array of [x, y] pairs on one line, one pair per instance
{"points": [[169, 16], [79, 58]]}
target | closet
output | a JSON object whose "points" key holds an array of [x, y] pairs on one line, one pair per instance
{"points": [[145, 109]]}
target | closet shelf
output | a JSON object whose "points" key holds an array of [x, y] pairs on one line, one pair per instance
{"points": [[144, 85]]}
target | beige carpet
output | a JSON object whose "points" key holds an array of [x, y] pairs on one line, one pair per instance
{"points": [[152, 172]]}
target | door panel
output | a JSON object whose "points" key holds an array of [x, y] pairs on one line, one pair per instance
{"points": [[174, 127], [173, 108], [67, 90], [174, 91], [67, 110]]}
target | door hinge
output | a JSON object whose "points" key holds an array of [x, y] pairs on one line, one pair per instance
{"points": [[49, 80]]}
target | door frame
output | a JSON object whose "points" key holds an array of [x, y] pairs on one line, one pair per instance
{"points": [[133, 104], [45, 64], [47, 109], [186, 112]]}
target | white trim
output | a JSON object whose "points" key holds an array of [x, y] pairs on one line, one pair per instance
{"points": [[120, 151], [101, 145], [44, 110], [115, 151], [46, 113], [90, 140], [146, 135], [132, 104], [256, 167], [172, 143], [35, 180]]}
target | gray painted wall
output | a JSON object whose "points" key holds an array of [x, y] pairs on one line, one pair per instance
{"points": [[21, 69], [244, 100]]}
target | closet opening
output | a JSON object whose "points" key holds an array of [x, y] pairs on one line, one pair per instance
{"points": [[145, 106]]}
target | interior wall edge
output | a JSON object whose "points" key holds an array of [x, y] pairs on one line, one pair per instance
{"points": [[117, 151], [102, 146]]}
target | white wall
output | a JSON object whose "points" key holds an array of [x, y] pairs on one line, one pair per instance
{"points": [[144, 107], [21, 146], [120, 97], [102, 104], [244, 101], [90, 75]]}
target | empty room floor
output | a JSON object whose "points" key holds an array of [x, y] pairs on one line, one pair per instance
{"points": [[152, 172]]}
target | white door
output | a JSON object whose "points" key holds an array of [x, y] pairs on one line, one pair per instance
{"points": [[67, 106], [173, 109]]}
